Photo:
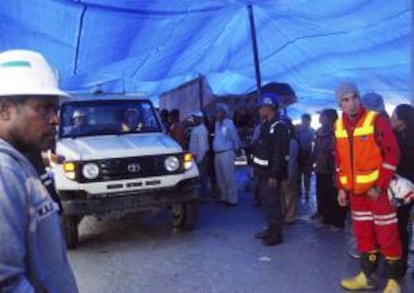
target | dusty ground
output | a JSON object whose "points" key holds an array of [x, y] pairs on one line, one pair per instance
{"points": [[142, 254]]}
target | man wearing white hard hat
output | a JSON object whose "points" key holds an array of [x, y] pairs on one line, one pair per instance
{"points": [[32, 253], [79, 123]]}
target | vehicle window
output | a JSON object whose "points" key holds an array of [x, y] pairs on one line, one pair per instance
{"points": [[107, 117]]}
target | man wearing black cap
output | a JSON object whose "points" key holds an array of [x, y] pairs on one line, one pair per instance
{"points": [[270, 162]]}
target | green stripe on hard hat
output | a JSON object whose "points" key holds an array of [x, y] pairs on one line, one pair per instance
{"points": [[17, 63]]}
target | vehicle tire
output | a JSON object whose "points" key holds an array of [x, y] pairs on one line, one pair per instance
{"points": [[184, 215], [70, 230]]}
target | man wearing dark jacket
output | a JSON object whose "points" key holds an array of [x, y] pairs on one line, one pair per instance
{"points": [[270, 162]]}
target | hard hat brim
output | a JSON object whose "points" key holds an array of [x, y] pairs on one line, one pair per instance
{"points": [[41, 92]]}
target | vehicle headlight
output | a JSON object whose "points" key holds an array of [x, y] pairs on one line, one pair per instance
{"points": [[90, 171], [70, 170], [188, 161], [171, 164]]}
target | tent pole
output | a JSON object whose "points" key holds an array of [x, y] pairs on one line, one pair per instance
{"points": [[78, 41], [255, 51], [411, 80], [200, 91]]}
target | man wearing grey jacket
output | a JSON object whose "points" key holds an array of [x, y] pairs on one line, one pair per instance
{"points": [[32, 252]]}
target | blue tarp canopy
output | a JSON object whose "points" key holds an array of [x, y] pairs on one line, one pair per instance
{"points": [[153, 46]]}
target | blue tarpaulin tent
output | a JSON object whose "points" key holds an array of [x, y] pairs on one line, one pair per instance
{"points": [[154, 46]]}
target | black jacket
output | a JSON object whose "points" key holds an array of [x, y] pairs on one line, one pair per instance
{"points": [[271, 151], [405, 166]]}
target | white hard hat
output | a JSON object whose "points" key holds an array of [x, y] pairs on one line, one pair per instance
{"points": [[77, 114], [401, 189], [197, 114], [24, 72]]}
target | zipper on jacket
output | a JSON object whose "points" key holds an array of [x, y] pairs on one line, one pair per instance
{"points": [[351, 146]]}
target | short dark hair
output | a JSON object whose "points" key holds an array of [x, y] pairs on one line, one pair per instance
{"points": [[330, 114], [306, 116], [405, 112], [175, 113], [164, 113]]}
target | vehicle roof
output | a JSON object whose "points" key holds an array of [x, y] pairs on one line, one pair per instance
{"points": [[80, 97]]}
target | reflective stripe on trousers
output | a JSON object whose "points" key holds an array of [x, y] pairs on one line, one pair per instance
{"points": [[375, 225]]}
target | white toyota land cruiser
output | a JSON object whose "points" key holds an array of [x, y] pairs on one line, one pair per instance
{"points": [[118, 160]]}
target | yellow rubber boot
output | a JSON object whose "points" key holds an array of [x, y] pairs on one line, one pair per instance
{"points": [[392, 287], [360, 282], [395, 268]]}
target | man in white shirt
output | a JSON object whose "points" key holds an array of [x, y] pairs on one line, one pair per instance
{"points": [[226, 143], [199, 147]]}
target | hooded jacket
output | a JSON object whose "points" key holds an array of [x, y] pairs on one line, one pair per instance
{"points": [[32, 252]]}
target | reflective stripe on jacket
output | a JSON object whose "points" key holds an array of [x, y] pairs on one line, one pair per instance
{"points": [[271, 151], [360, 156]]}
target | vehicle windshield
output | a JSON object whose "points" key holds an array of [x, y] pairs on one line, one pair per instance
{"points": [[115, 117]]}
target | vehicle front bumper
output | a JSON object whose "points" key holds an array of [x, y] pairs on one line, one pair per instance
{"points": [[186, 190]]}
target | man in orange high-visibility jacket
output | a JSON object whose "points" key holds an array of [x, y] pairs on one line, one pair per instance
{"points": [[366, 156]]}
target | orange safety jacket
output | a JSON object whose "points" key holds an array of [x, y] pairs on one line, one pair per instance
{"points": [[360, 156]]}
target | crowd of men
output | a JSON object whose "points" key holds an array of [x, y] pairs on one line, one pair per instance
{"points": [[354, 156]]}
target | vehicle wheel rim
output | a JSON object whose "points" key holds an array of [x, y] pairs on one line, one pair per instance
{"points": [[177, 211]]}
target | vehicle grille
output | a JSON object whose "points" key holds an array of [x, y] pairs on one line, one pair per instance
{"points": [[133, 167]]}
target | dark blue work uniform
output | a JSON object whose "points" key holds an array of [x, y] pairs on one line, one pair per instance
{"points": [[270, 161]]}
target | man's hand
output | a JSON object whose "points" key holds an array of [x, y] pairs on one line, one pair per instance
{"points": [[342, 198], [272, 182], [50, 159], [374, 192]]}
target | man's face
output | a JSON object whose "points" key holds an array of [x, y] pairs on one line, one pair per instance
{"points": [[396, 123], [306, 122], [132, 120], [79, 121], [350, 104], [32, 124], [220, 115], [266, 113]]}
